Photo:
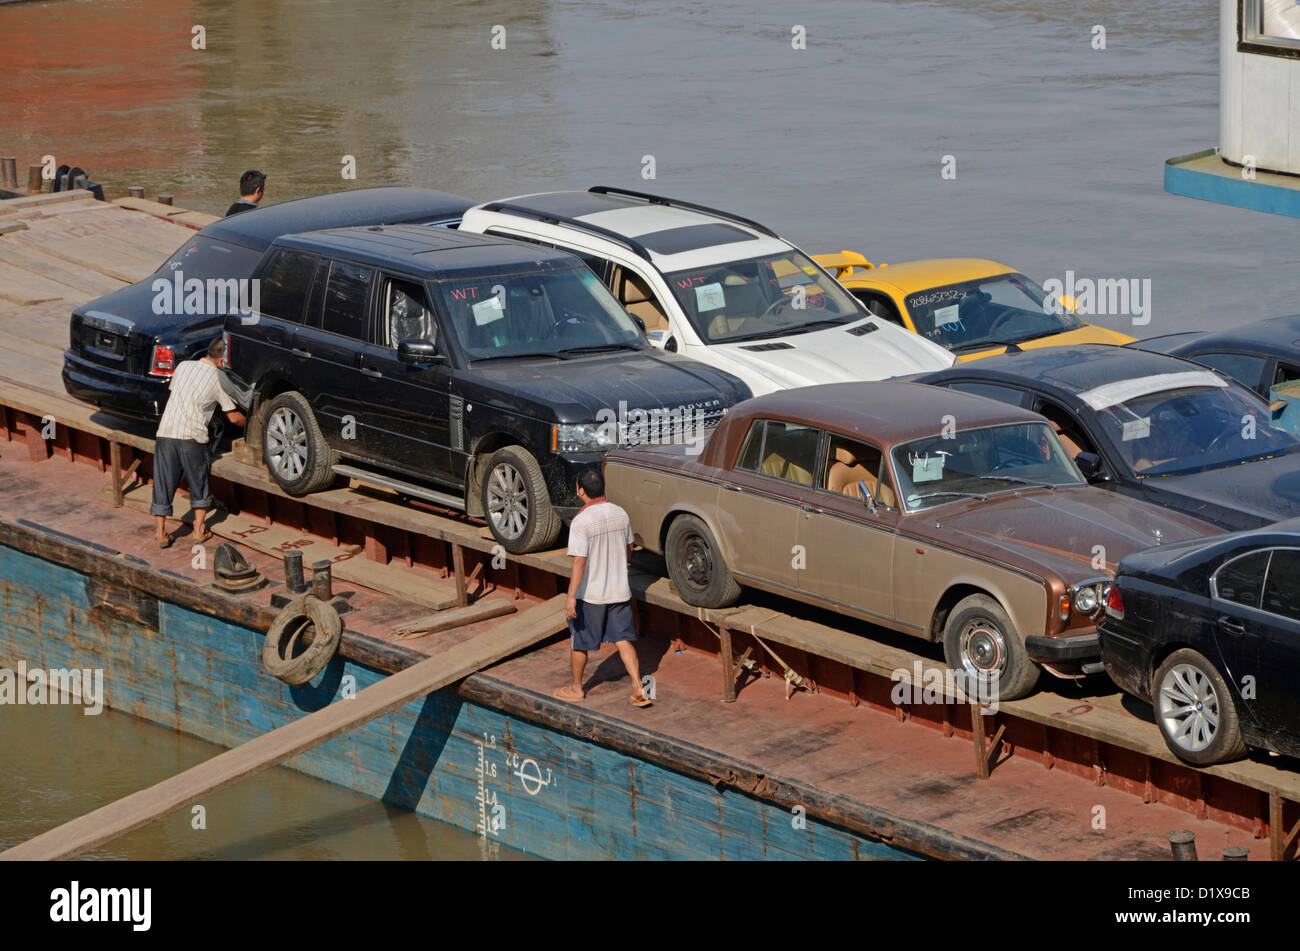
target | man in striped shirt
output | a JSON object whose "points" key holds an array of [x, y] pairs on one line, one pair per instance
{"points": [[182, 442]]}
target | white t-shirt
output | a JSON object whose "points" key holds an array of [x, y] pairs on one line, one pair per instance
{"points": [[601, 533], [195, 390]]}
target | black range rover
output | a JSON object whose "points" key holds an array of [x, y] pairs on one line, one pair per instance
{"points": [[476, 372], [123, 346]]}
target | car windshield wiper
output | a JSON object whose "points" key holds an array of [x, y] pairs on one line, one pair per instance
{"points": [[1006, 478], [931, 495], [598, 348], [519, 356]]}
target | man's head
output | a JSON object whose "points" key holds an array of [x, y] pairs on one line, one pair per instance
{"points": [[252, 184], [216, 350], [591, 485]]}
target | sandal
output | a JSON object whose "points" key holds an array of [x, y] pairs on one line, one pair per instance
{"points": [[165, 542], [206, 536], [562, 693], [639, 701]]}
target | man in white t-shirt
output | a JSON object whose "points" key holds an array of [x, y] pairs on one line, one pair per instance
{"points": [[181, 445], [600, 601]]}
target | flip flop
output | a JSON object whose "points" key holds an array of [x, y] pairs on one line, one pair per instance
{"points": [[165, 542], [641, 701], [560, 693], [206, 536]]}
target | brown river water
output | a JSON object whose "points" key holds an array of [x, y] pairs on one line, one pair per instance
{"points": [[1058, 149]]}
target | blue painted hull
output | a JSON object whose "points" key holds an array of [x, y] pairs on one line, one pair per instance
{"points": [[511, 781]]}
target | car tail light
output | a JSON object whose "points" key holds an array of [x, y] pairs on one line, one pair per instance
{"points": [[163, 362], [1115, 603]]}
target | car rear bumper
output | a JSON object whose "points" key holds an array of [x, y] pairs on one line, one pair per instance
{"points": [[126, 394]]}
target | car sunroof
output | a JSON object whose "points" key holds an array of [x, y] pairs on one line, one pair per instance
{"points": [[691, 237]]}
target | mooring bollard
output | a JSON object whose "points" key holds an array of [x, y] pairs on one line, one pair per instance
{"points": [[1236, 853], [9, 173], [322, 584], [1183, 844], [35, 184], [136, 191], [293, 571], [164, 199]]}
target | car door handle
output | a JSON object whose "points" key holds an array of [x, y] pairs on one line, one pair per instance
{"points": [[366, 371], [1231, 626], [812, 510], [298, 352], [732, 488]]}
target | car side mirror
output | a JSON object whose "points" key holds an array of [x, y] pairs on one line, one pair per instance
{"points": [[1089, 464], [638, 321], [418, 351], [865, 495]]}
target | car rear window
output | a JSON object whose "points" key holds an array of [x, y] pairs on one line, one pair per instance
{"points": [[202, 257]]}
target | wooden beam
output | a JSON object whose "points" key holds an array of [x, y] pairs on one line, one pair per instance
{"points": [[270, 749]]}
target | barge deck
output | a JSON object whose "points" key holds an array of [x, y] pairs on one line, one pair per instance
{"points": [[769, 704]]}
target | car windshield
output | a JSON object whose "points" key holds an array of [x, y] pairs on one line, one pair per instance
{"points": [[552, 313], [975, 463], [1192, 428], [205, 258], [772, 296], [987, 312]]}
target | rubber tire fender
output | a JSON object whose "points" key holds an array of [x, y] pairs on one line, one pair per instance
{"points": [[293, 620]]}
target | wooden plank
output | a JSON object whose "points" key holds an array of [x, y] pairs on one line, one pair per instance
{"points": [[270, 749], [453, 618], [24, 287], [29, 203], [86, 282]]}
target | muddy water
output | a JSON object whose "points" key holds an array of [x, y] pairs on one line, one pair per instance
{"points": [[1058, 146], [59, 764]]}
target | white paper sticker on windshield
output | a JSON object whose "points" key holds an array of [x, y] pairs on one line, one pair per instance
{"points": [[927, 468], [945, 315], [709, 297], [1136, 429], [486, 311]]}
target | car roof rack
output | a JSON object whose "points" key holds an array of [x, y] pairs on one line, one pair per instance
{"points": [[674, 203], [636, 247]]}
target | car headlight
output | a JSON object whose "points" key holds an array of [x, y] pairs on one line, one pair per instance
{"points": [[584, 437], [1090, 596]]}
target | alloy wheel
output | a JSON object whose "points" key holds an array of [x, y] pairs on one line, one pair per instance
{"points": [[286, 439], [1188, 708], [507, 498]]}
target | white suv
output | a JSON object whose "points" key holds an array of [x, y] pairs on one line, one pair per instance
{"points": [[711, 285]]}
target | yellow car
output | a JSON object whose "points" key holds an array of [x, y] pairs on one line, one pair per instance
{"points": [[975, 308]]}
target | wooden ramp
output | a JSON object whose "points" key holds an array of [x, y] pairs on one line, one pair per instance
{"points": [[189, 787]]}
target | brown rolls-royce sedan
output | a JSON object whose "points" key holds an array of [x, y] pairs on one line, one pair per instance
{"points": [[933, 512]]}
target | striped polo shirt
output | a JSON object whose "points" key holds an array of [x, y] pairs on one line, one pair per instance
{"points": [[195, 391]]}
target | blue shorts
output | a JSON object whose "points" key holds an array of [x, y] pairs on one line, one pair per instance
{"points": [[598, 624]]}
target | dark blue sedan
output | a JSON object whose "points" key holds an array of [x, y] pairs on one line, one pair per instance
{"points": [[1152, 426]]}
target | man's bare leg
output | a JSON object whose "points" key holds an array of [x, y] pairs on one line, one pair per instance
{"points": [[200, 516], [627, 651], [161, 522], [578, 664]]}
